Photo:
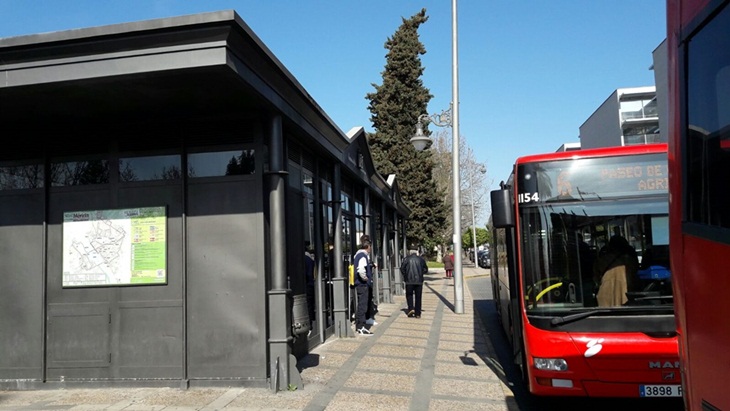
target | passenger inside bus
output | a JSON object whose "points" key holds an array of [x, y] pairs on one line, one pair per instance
{"points": [[615, 271]]}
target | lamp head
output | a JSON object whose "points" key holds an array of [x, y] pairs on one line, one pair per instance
{"points": [[420, 141]]}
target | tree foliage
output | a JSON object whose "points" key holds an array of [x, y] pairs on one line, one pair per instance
{"points": [[395, 106], [484, 236]]}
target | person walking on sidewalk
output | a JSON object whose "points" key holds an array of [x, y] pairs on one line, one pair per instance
{"points": [[449, 264], [413, 268], [363, 282]]}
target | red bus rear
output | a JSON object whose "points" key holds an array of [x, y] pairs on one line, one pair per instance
{"points": [[698, 44], [580, 272]]}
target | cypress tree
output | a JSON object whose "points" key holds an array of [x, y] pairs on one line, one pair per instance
{"points": [[395, 107]]}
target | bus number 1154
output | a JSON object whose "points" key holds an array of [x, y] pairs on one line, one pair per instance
{"points": [[524, 198]]}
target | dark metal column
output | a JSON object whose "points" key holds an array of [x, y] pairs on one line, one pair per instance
{"points": [[281, 362], [398, 286], [340, 282], [318, 241], [370, 231], [387, 297]]}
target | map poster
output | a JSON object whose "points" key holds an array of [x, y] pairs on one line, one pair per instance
{"points": [[115, 247]]}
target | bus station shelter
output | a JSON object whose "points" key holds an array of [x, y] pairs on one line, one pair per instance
{"points": [[165, 187]]}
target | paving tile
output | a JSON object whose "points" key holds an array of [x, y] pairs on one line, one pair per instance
{"points": [[347, 401], [450, 405], [381, 381], [396, 351], [403, 341], [478, 372], [391, 364], [461, 388]]}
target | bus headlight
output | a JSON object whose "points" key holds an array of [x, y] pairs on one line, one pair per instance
{"points": [[551, 364]]}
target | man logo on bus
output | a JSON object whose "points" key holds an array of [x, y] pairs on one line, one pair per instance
{"points": [[594, 347], [664, 364]]}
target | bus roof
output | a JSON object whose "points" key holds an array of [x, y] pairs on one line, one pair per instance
{"points": [[595, 152]]}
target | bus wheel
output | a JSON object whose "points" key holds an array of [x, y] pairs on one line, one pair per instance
{"points": [[523, 371]]}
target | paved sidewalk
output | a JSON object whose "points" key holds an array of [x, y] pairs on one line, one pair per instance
{"points": [[441, 361]]}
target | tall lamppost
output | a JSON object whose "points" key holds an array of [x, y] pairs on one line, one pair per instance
{"points": [[420, 140], [481, 170]]}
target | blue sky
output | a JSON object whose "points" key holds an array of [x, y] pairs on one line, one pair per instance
{"points": [[530, 72]]}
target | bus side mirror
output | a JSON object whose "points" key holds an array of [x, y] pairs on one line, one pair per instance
{"points": [[502, 212]]}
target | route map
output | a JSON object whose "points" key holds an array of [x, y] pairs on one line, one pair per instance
{"points": [[114, 247]]}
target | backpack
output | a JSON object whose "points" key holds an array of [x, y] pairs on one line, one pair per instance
{"points": [[351, 270]]}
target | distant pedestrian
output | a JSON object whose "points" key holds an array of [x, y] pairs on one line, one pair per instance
{"points": [[363, 282], [413, 268], [449, 264]]}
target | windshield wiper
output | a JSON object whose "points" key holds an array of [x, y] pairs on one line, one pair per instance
{"points": [[654, 297], [577, 316]]}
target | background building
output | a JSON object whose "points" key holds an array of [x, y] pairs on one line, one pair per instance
{"points": [[629, 116]]}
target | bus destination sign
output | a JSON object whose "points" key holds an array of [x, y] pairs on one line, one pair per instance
{"points": [[592, 179]]}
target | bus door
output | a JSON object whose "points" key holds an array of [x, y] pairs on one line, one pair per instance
{"points": [[503, 217]]}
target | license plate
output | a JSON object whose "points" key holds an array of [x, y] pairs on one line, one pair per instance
{"points": [[660, 390]]}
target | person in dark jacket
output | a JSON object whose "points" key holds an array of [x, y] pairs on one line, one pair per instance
{"points": [[413, 268], [363, 282]]}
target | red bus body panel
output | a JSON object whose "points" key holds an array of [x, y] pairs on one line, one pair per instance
{"points": [[699, 267], [617, 363]]}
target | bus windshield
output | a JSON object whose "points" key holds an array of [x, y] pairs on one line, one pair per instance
{"points": [[611, 255]]}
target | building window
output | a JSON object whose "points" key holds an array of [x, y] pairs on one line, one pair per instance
{"points": [[77, 173], [150, 168], [641, 134], [707, 130], [221, 163], [638, 109], [21, 177]]}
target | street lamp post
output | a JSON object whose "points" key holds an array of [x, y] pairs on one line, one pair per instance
{"points": [[481, 170], [420, 140]]}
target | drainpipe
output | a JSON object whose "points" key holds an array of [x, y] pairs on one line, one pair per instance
{"points": [[340, 282], [282, 363]]}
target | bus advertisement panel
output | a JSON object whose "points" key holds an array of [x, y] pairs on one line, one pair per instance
{"points": [[580, 272], [698, 50]]}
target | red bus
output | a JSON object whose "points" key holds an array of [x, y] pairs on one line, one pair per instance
{"points": [[580, 272], [698, 48]]}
